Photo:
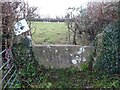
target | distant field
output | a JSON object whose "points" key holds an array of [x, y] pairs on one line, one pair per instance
{"points": [[50, 33]]}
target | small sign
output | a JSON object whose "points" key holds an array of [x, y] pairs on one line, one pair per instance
{"points": [[20, 27]]}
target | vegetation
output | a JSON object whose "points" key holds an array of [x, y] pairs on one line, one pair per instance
{"points": [[72, 78], [50, 33], [90, 21], [107, 51], [104, 61], [32, 75]]}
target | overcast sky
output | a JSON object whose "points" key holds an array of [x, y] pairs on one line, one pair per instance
{"points": [[55, 7]]}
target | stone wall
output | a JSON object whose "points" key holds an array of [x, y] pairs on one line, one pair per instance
{"points": [[61, 56]]}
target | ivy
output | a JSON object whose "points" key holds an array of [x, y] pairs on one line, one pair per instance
{"points": [[26, 64], [107, 60]]}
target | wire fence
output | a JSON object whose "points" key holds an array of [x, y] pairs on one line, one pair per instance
{"points": [[8, 71]]}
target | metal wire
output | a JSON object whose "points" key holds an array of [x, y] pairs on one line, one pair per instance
{"points": [[2, 52], [6, 74], [5, 64], [13, 80], [10, 78]]}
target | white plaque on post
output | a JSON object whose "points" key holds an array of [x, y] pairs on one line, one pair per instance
{"points": [[21, 27]]}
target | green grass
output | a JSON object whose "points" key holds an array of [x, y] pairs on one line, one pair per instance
{"points": [[50, 33]]}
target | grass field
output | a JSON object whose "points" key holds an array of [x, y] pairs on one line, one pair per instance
{"points": [[50, 33]]}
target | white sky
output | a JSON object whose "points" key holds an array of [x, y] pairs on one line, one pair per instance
{"points": [[55, 7]]}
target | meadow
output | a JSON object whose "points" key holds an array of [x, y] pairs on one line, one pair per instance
{"points": [[49, 33]]}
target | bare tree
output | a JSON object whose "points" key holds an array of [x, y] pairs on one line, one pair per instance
{"points": [[87, 22], [70, 24]]}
